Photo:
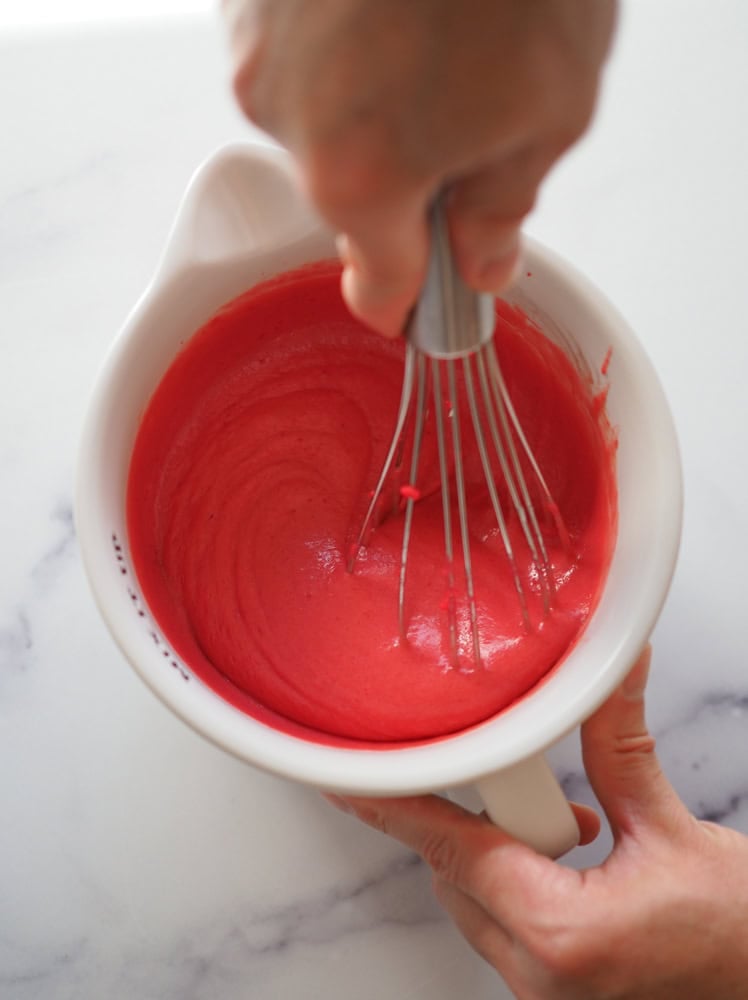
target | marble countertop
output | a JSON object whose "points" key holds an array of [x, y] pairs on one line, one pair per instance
{"points": [[138, 861]]}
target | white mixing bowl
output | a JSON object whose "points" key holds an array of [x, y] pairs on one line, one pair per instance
{"points": [[242, 221]]}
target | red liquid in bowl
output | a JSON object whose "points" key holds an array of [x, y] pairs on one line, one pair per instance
{"points": [[247, 478]]}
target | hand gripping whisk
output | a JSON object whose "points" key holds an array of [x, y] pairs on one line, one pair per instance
{"points": [[450, 340]]}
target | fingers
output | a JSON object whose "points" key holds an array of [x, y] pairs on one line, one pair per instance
{"points": [[620, 760], [588, 822], [350, 89], [381, 281], [503, 876], [480, 930], [485, 210], [370, 812], [247, 41], [381, 213], [386, 245]]}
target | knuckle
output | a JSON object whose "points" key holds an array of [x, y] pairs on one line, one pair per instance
{"points": [[359, 177], [492, 224], [499, 200], [573, 123], [568, 957], [374, 817], [341, 184], [245, 88], [634, 744], [440, 853]]}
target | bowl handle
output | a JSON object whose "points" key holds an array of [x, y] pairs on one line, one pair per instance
{"points": [[242, 204], [527, 802]]}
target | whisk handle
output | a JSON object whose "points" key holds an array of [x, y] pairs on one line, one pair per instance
{"points": [[527, 802], [450, 320]]}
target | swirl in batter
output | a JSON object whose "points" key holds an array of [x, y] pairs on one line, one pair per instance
{"points": [[248, 474]]}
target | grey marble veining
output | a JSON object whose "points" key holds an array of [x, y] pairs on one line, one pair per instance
{"points": [[138, 861]]}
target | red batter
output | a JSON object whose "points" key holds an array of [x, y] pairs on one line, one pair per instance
{"points": [[248, 473]]}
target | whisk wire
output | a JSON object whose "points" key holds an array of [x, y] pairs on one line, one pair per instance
{"points": [[395, 447], [508, 406], [501, 437], [452, 323], [441, 445], [493, 493], [420, 419], [454, 414], [515, 478]]}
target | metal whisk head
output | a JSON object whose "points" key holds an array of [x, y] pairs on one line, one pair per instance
{"points": [[450, 352]]}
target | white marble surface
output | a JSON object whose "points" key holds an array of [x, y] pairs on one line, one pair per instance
{"points": [[137, 860]]}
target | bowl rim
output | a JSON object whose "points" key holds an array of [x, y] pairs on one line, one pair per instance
{"points": [[451, 760]]}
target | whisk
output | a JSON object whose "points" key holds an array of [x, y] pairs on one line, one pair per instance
{"points": [[449, 345]]}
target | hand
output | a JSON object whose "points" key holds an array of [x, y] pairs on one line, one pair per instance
{"points": [[383, 103], [665, 916]]}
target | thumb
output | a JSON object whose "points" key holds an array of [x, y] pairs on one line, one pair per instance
{"points": [[383, 273], [381, 213], [620, 759]]}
